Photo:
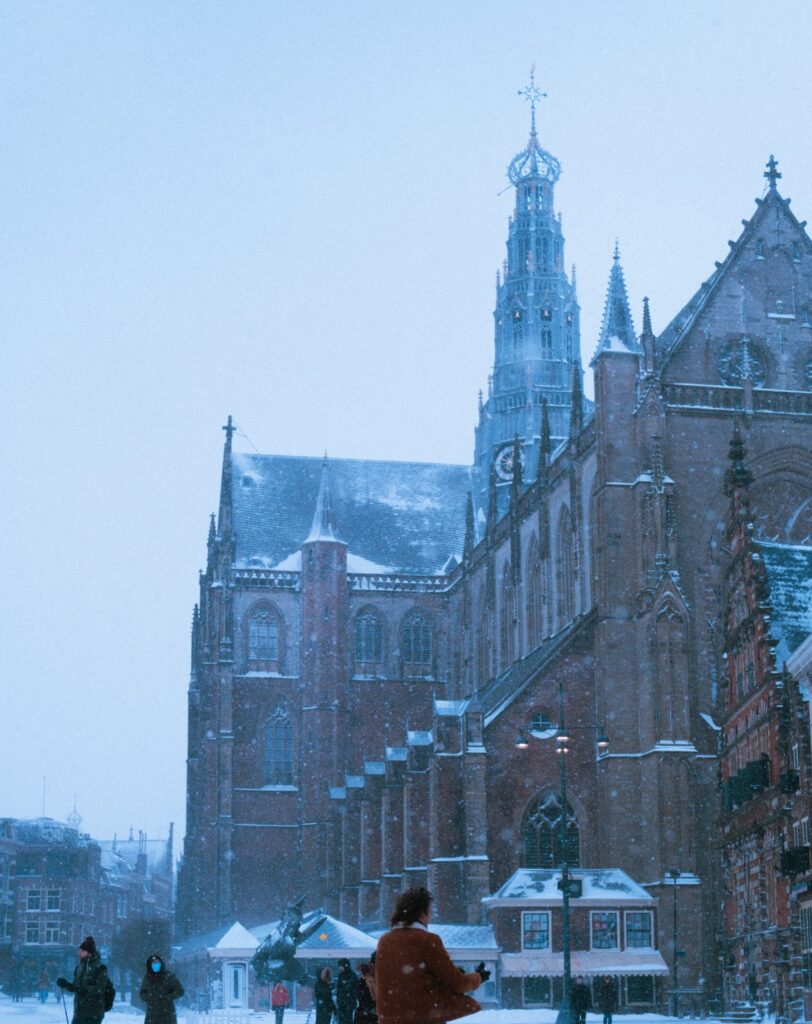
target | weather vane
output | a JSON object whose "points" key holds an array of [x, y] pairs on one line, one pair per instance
{"points": [[531, 92]]}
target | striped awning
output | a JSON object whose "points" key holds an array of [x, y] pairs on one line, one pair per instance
{"points": [[598, 961]]}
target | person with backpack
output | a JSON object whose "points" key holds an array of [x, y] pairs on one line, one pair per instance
{"points": [[159, 990], [93, 992]]}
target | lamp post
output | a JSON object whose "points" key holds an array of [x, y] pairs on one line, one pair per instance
{"points": [[562, 739], [674, 875]]}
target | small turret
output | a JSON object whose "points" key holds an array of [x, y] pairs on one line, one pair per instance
{"points": [[647, 342], [323, 526], [617, 328]]}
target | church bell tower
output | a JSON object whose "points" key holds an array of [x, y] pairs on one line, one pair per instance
{"points": [[536, 328]]}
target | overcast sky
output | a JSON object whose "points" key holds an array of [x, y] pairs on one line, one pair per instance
{"points": [[293, 212]]}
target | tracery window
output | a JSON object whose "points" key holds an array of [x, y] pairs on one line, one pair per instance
{"points": [[541, 834], [263, 635], [416, 640], [368, 638], [278, 749]]}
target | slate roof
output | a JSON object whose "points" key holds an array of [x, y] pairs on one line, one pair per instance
{"points": [[789, 571], [394, 516]]}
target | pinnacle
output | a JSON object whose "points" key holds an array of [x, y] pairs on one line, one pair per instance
{"points": [[617, 329]]}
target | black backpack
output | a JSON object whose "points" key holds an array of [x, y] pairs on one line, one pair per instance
{"points": [[109, 994]]}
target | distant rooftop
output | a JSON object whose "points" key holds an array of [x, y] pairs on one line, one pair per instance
{"points": [[404, 517]]}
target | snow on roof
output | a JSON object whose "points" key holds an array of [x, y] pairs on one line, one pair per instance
{"points": [[789, 571], [230, 937], [599, 885], [465, 936], [405, 516], [333, 938]]}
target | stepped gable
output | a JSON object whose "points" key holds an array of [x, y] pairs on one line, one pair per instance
{"points": [[789, 572], [774, 206], [406, 517]]}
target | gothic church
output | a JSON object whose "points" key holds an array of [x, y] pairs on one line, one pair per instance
{"points": [[371, 637]]}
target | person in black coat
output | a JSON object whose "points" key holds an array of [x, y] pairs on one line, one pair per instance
{"points": [[579, 1000], [607, 997], [159, 990], [365, 1012], [89, 984], [323, 997], [346, 992]]}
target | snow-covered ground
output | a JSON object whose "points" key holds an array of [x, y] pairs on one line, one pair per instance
{"points": [[31, 1011]]}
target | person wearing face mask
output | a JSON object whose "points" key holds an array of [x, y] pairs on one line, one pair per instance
{"points": [[159, 990]]}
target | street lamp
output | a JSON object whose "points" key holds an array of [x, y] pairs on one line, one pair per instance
{"points": [[562, 748], [673, 874]]}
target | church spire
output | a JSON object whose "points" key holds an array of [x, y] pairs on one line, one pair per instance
{"points": [[647, 341], [617, 329], [224, 517], [323, 526]]}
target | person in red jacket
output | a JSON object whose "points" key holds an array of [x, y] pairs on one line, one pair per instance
{"points": [[415, 979], [280, 998]]}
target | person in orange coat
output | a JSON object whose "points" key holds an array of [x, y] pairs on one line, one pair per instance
{"points": [[415, 980]]}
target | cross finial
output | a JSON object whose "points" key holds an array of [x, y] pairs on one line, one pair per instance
{"points": [[772, 173], [229, 429], [532, 94]]}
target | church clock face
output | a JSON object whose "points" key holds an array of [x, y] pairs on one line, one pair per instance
{"points": [[504, 462]]}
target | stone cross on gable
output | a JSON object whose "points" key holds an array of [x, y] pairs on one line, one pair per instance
{"points": [[772, 173]]}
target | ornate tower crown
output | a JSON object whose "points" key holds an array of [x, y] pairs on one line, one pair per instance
{"points": [[533, 162]]}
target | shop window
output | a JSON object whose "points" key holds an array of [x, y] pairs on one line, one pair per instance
{"points": [[638, 929], [537, 992], [536, 930], [639, 989], [603, 928]]}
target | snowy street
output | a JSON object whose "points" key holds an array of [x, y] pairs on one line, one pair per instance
{"points": [[32, 1012]]}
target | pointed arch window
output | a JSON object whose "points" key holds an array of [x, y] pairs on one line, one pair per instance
{"points": [[565, 581], [484, 646], [368, 638], [278, 749], [534, 608], [416, 640], [263, 635], [506, 630], [541, 834]]}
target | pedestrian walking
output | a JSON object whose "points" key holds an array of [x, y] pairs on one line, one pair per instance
{"points": [[346, 992], [607, 997], [90, 985], [579, 999], [415, 979], [43, 986], [365, 1012], [323, 997], [280, 998], [159, 990]]}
